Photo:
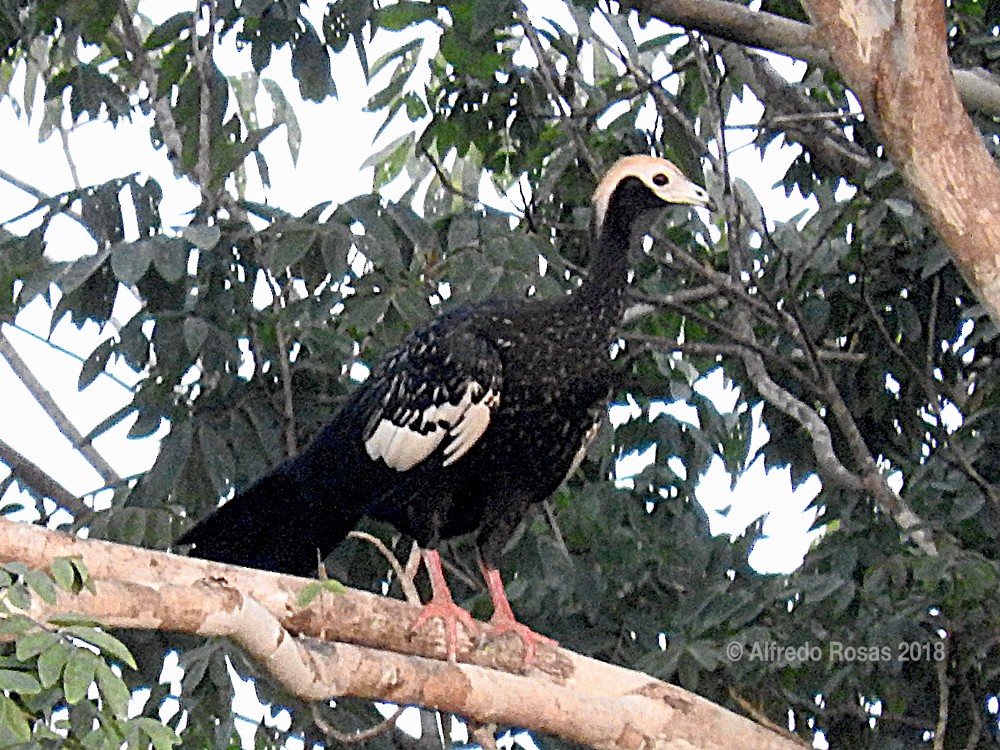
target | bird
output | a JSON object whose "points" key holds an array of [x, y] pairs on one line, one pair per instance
{"points": [[472, 420]]}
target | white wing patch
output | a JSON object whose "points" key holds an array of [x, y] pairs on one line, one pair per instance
{"points": [[404, 446]]}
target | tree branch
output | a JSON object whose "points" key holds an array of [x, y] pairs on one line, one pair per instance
{"points": [[980, 89], [56, 414], [39, 481], [586, 701]]}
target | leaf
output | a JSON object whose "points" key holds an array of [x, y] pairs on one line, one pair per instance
{"points": [[289, 248], [78, 674], [169, 256], [311, 66], [32, 644], [202, 236], [903, 209], [130, 261], [175, 451], [168, 31], [15, 681], [109, 645], [64, 573], [13, 723], [309, 592], [400, 15], [218, 458], [51, 662], [285, 113], [41, 584], [195, 332], [162, 737], [94, 365], [113, 690]]}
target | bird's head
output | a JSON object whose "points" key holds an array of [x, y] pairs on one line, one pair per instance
{"points": [[639, 183]]}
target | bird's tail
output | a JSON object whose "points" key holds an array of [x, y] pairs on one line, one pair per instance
{"points": [[287, 521]]}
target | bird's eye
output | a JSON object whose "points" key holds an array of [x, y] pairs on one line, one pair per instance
{"points": [[660, 179]]}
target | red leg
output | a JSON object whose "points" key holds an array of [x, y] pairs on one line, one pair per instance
{"points": [[443, 606], [503, 620]]}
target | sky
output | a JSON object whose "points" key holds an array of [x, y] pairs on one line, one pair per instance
{"points": [[337, 136]]}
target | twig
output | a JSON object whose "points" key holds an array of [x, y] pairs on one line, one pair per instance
{"points": [[941, 728], [44, 201], [483, 735], [55, 413], [34, 478], [63, 350], [404, 575], [550, 516], [64, 137], [202, 57], [350, 738], [148, 74], [549, 78], [762, 718], [291, 443], [873, 481], [829, 464], [446, 182]]}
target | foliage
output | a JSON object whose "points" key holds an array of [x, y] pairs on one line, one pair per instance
{"points": [[849, 320]]}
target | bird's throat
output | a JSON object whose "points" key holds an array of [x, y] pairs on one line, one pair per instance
{"points": [[608, 272]]}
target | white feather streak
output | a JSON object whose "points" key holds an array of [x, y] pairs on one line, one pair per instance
{"points": [[402, 447]]}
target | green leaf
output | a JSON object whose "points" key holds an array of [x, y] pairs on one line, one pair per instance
{"points": [[400, 15], [309, 592], [78, 675], [168, 31], [290, 247], [109, 645], [32, 644], [903, 209], [15, 681], [51, 662], [69, 573], [170, 256], [41, 584], [13, 723], [162, 737], [64, 573], [65, 619], [114, 690]]}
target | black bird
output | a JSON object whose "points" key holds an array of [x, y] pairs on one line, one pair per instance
{"points": [[475, 418]]}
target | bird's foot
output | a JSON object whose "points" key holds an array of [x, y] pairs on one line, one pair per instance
{"points": [[450, 615], [504, 623]]}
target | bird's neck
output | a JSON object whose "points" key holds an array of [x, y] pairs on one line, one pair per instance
{"points": [[608, 272]]}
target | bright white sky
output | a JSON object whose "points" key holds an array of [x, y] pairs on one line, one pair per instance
{"points": [[337, 136]]}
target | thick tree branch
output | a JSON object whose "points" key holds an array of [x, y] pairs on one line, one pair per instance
{"points": [[588, 702], [897, 64], [980, 90]]}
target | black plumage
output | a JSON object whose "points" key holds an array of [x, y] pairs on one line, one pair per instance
{"points": [[475, 418]]}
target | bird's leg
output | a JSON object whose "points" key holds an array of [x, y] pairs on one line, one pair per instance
{"points": [[443, 606], [503, 620]]}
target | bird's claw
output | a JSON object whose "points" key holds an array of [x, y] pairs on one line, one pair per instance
{"points": [[529, 637], [450, 615]]}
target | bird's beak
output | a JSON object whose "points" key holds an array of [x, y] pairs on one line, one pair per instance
{"points": [[689, 193]]}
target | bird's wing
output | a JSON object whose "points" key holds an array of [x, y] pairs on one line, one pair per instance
{"points": [[438, 391]]}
